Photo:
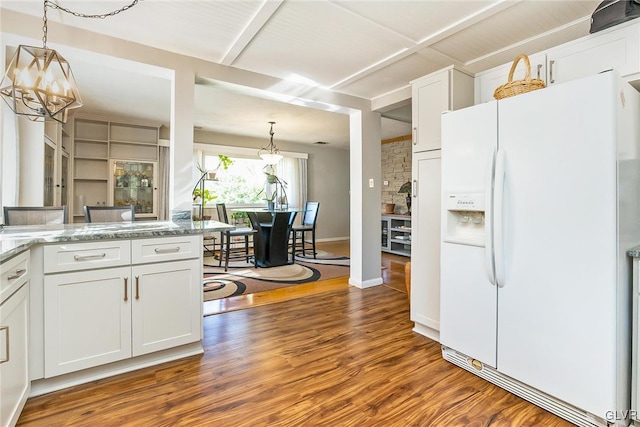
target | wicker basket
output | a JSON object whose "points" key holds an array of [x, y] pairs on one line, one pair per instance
{"points": [[513, 88]]}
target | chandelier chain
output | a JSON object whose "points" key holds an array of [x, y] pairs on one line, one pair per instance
{"points": [[52, 5], [44, 25]]}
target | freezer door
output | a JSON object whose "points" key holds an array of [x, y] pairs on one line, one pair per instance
{"points": [[468, 299], [557, 292]]}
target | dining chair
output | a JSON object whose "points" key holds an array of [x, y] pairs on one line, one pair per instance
{"points": [[308, 226], [35, 215], [109, 213], [226, 237]]}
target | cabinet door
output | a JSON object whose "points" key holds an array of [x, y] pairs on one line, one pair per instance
{"points": [[167, 305], [384, 237], [618, 49], [487, 82], [134, 183], [425, 250], [87, 319], [64, 180], [14, 359], [430, 97]]}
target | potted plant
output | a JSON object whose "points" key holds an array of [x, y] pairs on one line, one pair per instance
{"points": [[223, 161], [274, 188], [240, 218], [204, 197]]}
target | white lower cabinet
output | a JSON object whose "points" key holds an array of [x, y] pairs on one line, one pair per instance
{"points": [[425, 248], [105, 315], [14, 377], [87, 319], [14, 341], [166, 305]]}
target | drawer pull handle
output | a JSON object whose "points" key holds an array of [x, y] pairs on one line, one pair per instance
{"points": [[137, 287], [17, 274], [86, 257], [5, 328], [167, 251], [126, 291]]}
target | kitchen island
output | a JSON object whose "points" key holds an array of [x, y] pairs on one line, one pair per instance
{"points": [[95, 300]]}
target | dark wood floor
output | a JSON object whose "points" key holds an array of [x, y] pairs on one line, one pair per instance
{"points": [[345, 357]]}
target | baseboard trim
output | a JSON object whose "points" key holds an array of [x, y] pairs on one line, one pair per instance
{"points": [[48, 385], [426, 331], [331, 239], [367, 283]]}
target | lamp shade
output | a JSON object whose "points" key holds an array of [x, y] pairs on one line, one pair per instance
{"points": [[39, 84], [405, 188], [271, 158], [270, 154]]}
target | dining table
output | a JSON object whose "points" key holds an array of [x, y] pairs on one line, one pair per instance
{"points": [[271, 241]]}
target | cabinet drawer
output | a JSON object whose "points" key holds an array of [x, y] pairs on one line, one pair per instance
{"points": [[166, 249], [84, 256], [13, 274]]}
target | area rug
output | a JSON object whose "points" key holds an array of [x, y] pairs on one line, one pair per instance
{"points": [[243, 278]]}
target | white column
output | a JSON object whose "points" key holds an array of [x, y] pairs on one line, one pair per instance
{"points": [[31, 162], [181, 141], [365, 165]]}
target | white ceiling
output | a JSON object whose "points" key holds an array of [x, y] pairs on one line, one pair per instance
{"points": [[362, 48]]}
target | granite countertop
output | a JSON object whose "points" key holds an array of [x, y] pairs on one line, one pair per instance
{"points": [[16, 239], [634, 252]]}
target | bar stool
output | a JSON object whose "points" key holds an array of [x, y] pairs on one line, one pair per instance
{"points": [[226, 251]]}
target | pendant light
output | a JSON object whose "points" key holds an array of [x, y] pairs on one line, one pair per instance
{"points": [[39, 83], [270, 154]]}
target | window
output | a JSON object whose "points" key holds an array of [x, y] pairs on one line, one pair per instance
{"points": [[240, 184], [243, 182]]}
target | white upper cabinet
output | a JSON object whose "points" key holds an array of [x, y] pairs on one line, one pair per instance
{"points": [[487, 82], [615, 48], [447, 89], [593, 54]]}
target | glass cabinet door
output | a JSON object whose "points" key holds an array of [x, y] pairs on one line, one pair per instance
{"points": [[134, 184], [49, 171]]}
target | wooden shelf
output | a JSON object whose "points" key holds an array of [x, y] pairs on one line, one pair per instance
{"points": [[97, 143]]}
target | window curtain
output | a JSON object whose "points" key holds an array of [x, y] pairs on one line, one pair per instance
{"points": [[163, 183], [10, 167], [294, 172]]}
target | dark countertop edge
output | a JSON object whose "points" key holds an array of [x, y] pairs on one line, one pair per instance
{"points": [[24, 242]]}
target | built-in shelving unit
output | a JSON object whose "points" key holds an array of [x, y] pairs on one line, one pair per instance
{"points": [[98, 146], [396, 234]]}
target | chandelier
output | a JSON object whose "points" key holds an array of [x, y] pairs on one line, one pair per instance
{"points": [[39, 83], [270, 154]]}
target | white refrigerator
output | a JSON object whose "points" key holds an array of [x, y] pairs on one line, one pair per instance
{"points": [[540, 204]]}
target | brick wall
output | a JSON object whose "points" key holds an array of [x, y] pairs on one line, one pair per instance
{"points": [[396, 169]]}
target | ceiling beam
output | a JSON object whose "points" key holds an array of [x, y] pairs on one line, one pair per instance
{"points": [[448, 31], [259, 20]]}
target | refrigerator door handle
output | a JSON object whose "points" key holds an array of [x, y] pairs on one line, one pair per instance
{"points": [[498, 218], [488, 219]]}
